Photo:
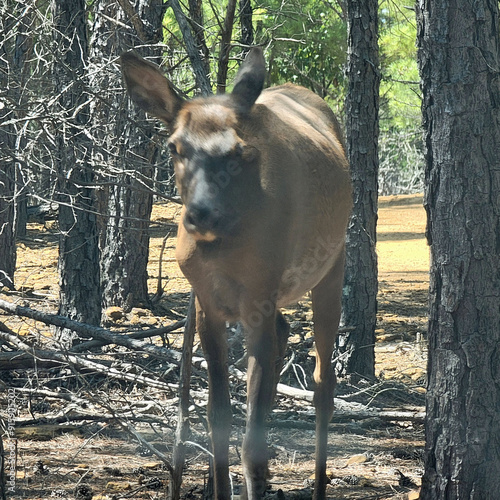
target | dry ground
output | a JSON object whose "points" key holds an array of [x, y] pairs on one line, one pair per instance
{"points": [[365, 455]]}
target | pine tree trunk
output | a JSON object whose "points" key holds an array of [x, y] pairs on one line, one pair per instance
{"points": [[362, 105], [21, 66], [7, 233], [459, 61], [197, 22], [80, 297], [125, 151], [7, 167]]}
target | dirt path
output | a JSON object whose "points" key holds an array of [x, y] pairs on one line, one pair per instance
{"points": [[403, 256]]}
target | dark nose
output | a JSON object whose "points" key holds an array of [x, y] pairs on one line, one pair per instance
{"points": [[202, 218]]}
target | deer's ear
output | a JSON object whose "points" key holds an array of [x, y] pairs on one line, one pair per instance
{"points": [[250, 80], [148, 87]]}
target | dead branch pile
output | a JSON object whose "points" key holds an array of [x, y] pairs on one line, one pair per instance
{"points": [[125, 378]]}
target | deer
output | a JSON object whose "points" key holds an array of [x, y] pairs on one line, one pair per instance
{"points": [[266, 193]]}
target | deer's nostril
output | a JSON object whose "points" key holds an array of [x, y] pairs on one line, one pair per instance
{"points": [[202, 218]]}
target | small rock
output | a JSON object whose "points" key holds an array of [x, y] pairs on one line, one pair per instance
{"points": [[117, 486], [360, 458], [114, 313], [137, 311]]}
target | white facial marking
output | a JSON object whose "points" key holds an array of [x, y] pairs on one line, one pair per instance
{"points": [[216, 144]]}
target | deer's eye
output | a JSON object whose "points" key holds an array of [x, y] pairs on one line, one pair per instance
{"points": [[172, 148]]}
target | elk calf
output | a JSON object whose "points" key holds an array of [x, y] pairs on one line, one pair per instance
{"points": [[266, 191]]}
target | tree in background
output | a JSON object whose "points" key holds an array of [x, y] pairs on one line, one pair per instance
{"points": [[125, 152], [23, 51], [459, 61], [7, 166], [80, 296], [246, 25], [7, 186], [362, 128]]}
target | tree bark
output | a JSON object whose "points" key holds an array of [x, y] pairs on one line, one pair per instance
{"points": [[459, 61], [362, 129], [198, 26], [80, 297], [126, 148], [22, 53], [7, 232], [7, 166]]}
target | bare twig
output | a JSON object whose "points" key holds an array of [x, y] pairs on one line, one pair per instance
{"points": [[159, 286], [125, 425], [182, 431]]}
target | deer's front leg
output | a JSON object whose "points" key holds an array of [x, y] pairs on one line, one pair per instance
{"points": [[266, 342], [212, 332]]}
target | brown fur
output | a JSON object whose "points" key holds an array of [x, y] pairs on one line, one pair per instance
{"points": [[267, 197]]}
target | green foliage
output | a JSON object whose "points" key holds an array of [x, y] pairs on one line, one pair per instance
{"points": [[399, 89], [400, 142], [307, 45]]}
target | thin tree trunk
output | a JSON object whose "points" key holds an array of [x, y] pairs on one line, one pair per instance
{"points": [[459, 61], [183, 428], [197, 63], [198, 27], [7, 233], [225, 47], [80, 297], [246, 24], [362, 128]]}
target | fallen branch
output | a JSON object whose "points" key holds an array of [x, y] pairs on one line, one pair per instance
{"points": [[95, 332], [104, 367], [344, 410], [20, 360], [139, 335]]}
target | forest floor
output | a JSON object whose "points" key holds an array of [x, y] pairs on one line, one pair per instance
{"points": [[369, 458]]}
